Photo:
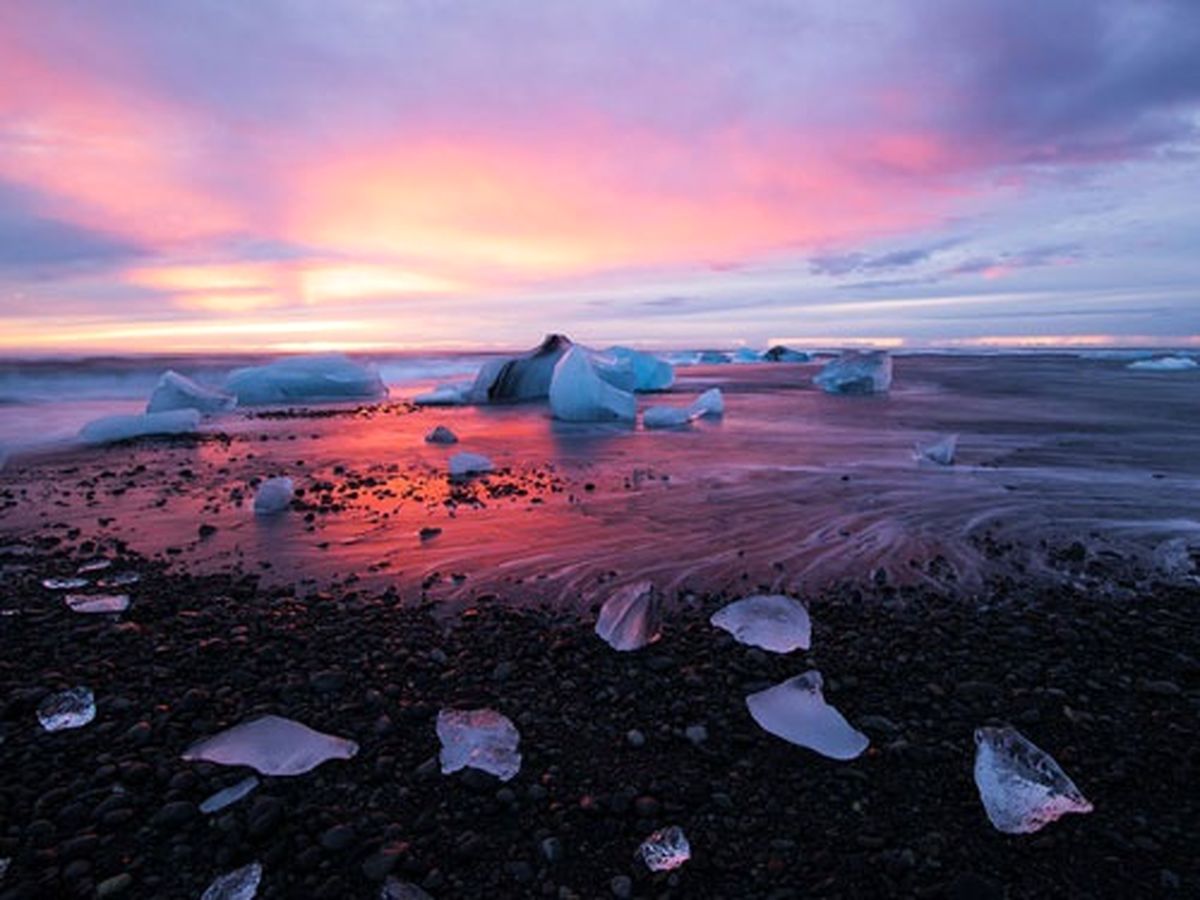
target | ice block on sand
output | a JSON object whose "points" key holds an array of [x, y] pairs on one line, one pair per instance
{"points": [[665, 849], [770, 621], [1021, 786], [710, 403], [796, 711], [856, 372], [940, 452], [479, 739], [240, 884], [274, 496], [463, 464], [579, 394], [629, 618], [305, 379], [123, 428], [66, 710], [272, 745], [175, 391], [520, 378]]}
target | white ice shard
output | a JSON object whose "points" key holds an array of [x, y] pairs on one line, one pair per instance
{"points": [[464, 464], [271, 745], [940, 452], [1164, 364], [97, 603], [441, 435], [665, 849], [395, 889], [780, 353], [770, 621], [94, 565], [175, 391], [796, 711], [1021, 786], [479, 739], [520, 378], [64, 584], [121, 579], [710, 403], [69, 709], [1173, 557], [579, 394], [856, 372], [630, 618], [229, 796], [650, 372], [305, 379], [123, 428], [274, 496], [240, 884], [454, 394]]}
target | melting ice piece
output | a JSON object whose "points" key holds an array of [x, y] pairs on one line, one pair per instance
{"points": [[454, 394], [710, 403], [464, 464], [274, 496], [64, 584], [940, 452], [305, 379], [520, 378], [272, 745], [240, 884], [579, 394], [770, 621], [629, 618], [746, 355], [780, 353], [395, 889], [665, 849], [229, 796], [1164, 364], [121, 579], [796, 711], [95, 565], [97, 603], [479, 739], [441, 435], [70, 709], [175, 391], [1173, 557], [1022, 787], [856, 372], [123, 428], [650, 373]]}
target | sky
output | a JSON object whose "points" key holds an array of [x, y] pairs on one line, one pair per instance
{"points": [[305, 175]]}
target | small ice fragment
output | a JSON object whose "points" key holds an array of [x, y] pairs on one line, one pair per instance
{"points": [[856, 372], [395, 889], [240, 884], [175, 391], [229, 795], [121, 579], [455, 394], [64, 584], [274, 496], [479, 739], [305, 379], [123, 428], [579, 394], [463, 464], [629, 618], [940, 452], [1164, 364], [796, 711], [1173, 557], [271, 745], [70, 709], [710, 403], [770, 621], [441, 435], [95, 565], [665, 849], [97, 603], [650, 373], [1021, 786]]}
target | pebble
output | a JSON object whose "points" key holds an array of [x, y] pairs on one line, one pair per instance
{"points": [[621, 887], [111, 887], [635, 738]]}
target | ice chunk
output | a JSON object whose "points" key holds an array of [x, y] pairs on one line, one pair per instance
{"points": [[650, 372], [464, 464], [520, 378], [856, 372], [479, 739], [1173, 557], [175, 391], [629, 618], [272, 746], [98, 603], [712, 357], [274, 496], [940, 452], [95, 565], [579, 394], [746, 355], [710, 403], [121, 579], [229, 796], [240, 884], [124, 428], [796, 711], [780, 353], [665, 849], [1164, 364], [395, 889], [64, 584], [1022, 787], [455, 394], [305, 379], [770, 621], [441, 435], [70, 709]]}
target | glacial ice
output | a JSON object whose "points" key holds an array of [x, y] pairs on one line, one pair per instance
{"points": [[240, 884], [770, 621], [123, 428], [395, 889], [1173, 557], [97, 603], [856, 372], [271, 745], [69, 709], [229, 796], [650, 372], [710, 403], [796, 711], [453, 394], [479, 739], [1164, 364], [305, 379], [1022, 787], [711, 357], [579, 394], [441, 435], [630, 618], [940, 452], [520, 378], [175, 391], [780, 353], [665, 849], [94, 565], [274, 496], [746, 355], [464, 464], [64, 584]]}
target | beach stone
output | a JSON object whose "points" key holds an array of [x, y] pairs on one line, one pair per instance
{"points": [[174, 814], [112, 887], [327, 682], [552, 849], [621, 887], [338, 838], [635, 738], [379, 865]]}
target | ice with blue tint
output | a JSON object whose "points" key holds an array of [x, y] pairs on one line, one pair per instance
{"points": [[710, 403], [240, 884], [665, 849], [229, 796], [305, 379], [271, 745], [1022, 788], [746, 355], [463, 464], [520, 378], [796, 711], [175, 391], [64, 584], [66, 710], [97, 603], [452, 394], [940, 452], [274, 496], [650, 372], [478, 739], [123, 428], [770, 621], [1173, 557], [1165, 364], [579, 394], [780, 353], [630, 618], [856, 372]]}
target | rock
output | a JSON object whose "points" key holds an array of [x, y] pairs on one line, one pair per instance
{"points": [[111, 887], [552, 849], [379, 865], [621, 887], [338, 838], [174, 814], [635, 738], [697, 734]]}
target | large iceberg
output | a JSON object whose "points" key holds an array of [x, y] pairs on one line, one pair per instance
{"points": [[274, 496], [629, 618], [579, 394], [770, 621], [479, 739], [1021, 786], [1164, 364], [650, 372], [175, 391], [710, 403], [123, 428], [520, 378], [305, 379], [796, 711], [272, 746], [856, 372]]}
